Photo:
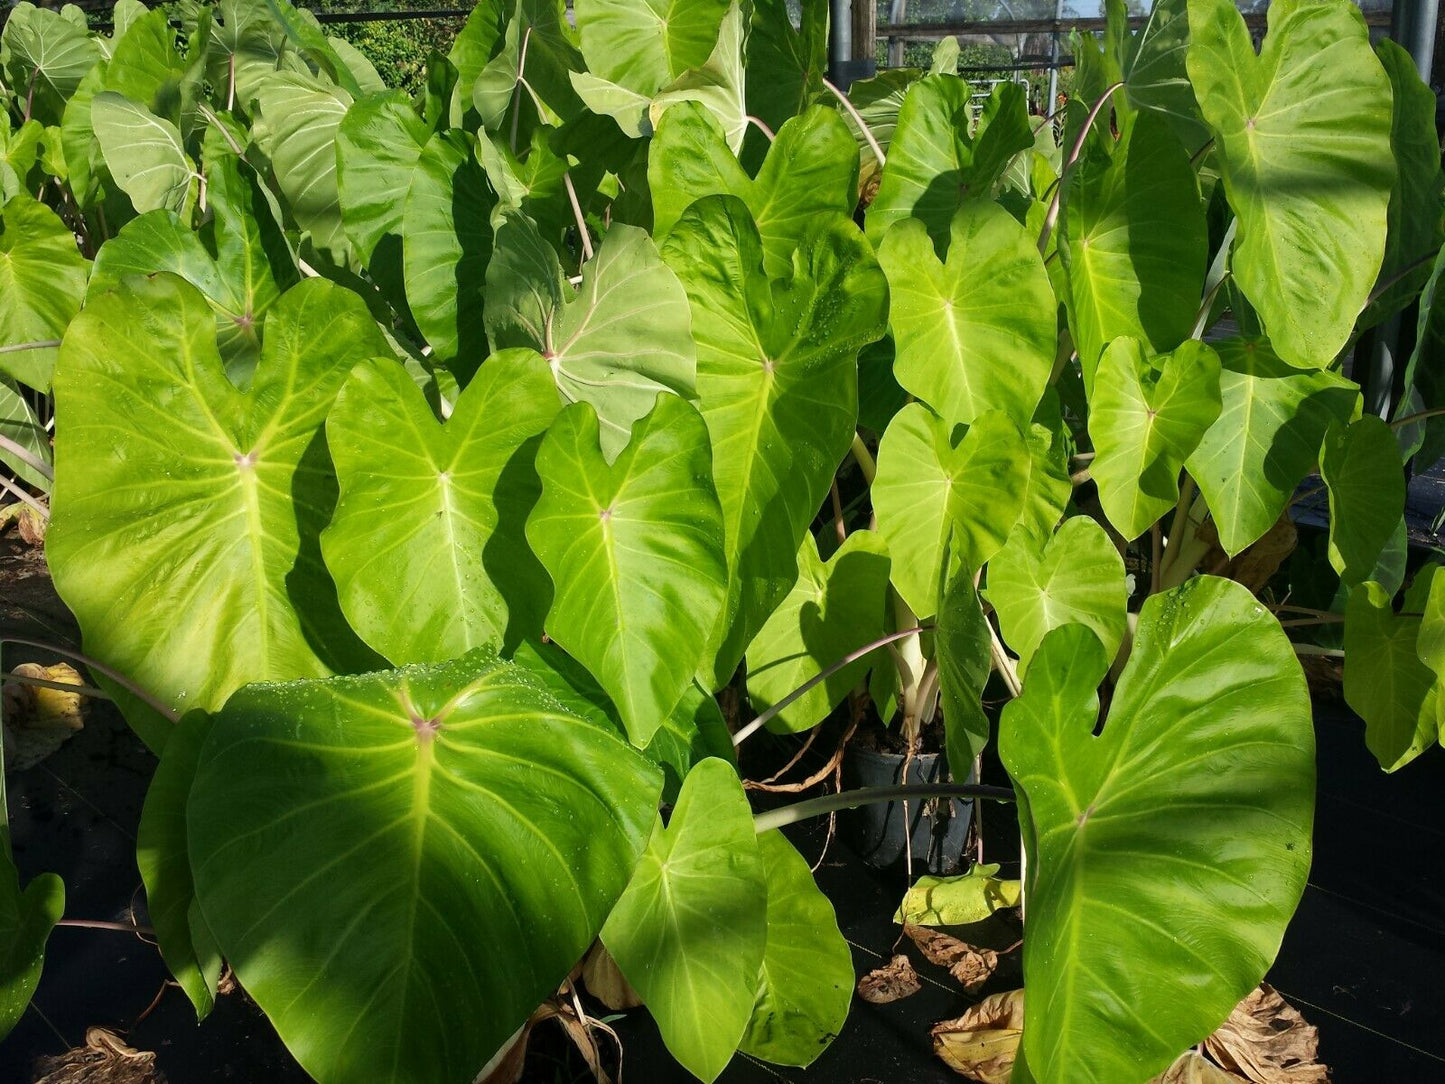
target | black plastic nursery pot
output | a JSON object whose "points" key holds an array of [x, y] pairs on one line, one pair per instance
{"points": [[883, 834]]}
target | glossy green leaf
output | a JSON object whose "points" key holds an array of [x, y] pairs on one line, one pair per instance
{"points": [[303, 31], [1360, 465], [1155, 74], [446, 245], [449, 842], [378, 143], [777, 384], [645, 46], [1386, 682], [19, 424], [940, 489], [18, 152], [1073, 577], [1050, 445], [1173, 845], [186, 943], [26, 919], [191, 562], [615, 342], [1271, 424], [303, 115], [538, 47], [963, 650], [1134, 242], [472, 49], [42, 281], [879, 101], [1302, 137], [43, 50], [811, 169], [719, 82], [958, 901], [146, 67], [935, 161], [691, 930], [144, 153], [634, 549], [835, 608], [786, 64], [975, 332], [1146, 417], [427, 544], [807, 975]]}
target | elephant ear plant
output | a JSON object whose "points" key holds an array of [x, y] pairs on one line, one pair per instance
{"points": [[437, 482]]}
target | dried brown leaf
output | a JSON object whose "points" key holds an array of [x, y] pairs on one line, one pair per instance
{"points": [[970, 965], [892, 982], [104, 1059], [604, 980], [1267, 1041], [984, 1041], [1192, 1067]]}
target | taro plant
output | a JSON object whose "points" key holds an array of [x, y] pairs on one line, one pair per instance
{"points": [[442, 483]]}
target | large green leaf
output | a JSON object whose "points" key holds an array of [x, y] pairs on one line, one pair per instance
{"points": [[719, 82], [427, 544], [1271, 424], [143, 152], [811, 169], [1173, 846], [1302, 136], [835, 608], [1134, 242], [1155, 74], [18, 152], [777, 380], [977, 332], [964, 650], [1074, 577], [1360, 465], [147, 68], [446, 244], [42, 281], [186, 513], [645, 46], [1386, 682], [45, 56], [186, 943], [302, 116], [26, 919], [690, 931], [472, 49], [616, 342], [786, 65], [942, 490], [936, 159], [634, 549], [377, 146], [401, 866], [227, 260], [1146, 417], [807, 976], [531, 71]]}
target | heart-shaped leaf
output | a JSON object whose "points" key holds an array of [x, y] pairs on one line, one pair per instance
{"points": [[807, 975], [835, 608], [448, 844], [224, 513], [937, 158], [1271, 424], [45, 57], [144, 153], [787, 64], [777, 380], [943, 489], [616, 342], [975, 332], [1134, 242], [1386, 682], [719, 82], [378, 144], [1146, 417], [1302, 136], [1155, 74], [446, 245], [645, 46], [1360, 465], [42, 280], [302, 115], [811, 169], [427, 544], [1175, 844], [691, 930], [1074, 577], [634, 549]]}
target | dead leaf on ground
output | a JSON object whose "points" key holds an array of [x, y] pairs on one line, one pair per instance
{"points": [[29, 523], [970, 965], [893, 982], [104, 1059], [1267, 1041], [604, 980], [984, 1041], [1192, 1067], [38, 720]]}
